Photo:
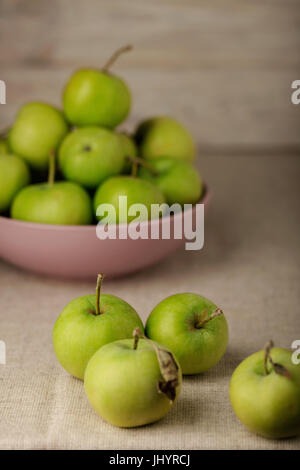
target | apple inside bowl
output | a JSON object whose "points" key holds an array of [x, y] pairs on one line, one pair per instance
{"points": [[76, 251]]}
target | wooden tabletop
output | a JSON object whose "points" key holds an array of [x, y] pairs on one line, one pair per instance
{"points": [[225, 70]]}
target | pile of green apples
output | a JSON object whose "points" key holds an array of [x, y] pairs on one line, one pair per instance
{"points": [[96, 163], [133, 375]]}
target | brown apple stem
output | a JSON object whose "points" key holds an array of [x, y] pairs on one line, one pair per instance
{"points": [[51, 172], [98, 290], [116, 55], [137, 334], [278, 368], [134, 169], [136, 161], [268, 348], [218, 312]]}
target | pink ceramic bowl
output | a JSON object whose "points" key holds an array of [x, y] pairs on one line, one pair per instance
{"points": [[76, 252]]}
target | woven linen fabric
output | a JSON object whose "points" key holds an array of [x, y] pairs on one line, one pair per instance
{"points": [[249, 267]]}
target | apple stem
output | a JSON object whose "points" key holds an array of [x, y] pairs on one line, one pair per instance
{"points": [[115, 56], [98, 290], [136, 161], [51, 173], [134, 169], [218, 312], [268, 348], [278, 368], [137, 334]]}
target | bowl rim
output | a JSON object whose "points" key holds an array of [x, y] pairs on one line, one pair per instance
{"points": [[34, 225]]}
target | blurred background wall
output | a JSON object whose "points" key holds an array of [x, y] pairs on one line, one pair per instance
{"points": [[223, 67]]}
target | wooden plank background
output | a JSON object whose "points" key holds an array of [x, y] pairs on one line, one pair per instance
{"points": [[223, 68]]}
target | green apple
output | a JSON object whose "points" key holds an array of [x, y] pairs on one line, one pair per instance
{"points": [[179, 181], [164, 137], [131, 383], [89, 322], [265, 393], [14, 175], [136, 190], [38, 130], [129, 150], [3, 146], [90, 155], [62, 203], [193, 328], [96, 97]]}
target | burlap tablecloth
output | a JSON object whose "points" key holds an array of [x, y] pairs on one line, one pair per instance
{"points": [[249, 266]]}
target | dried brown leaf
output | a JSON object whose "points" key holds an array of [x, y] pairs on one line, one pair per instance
{"points": [[281, 370]]}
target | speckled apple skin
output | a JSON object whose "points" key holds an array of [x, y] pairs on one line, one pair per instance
{"points": [[173, 323], [122, 384], [78, 333], [268, 405]]}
